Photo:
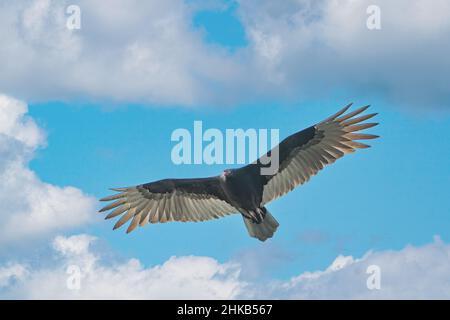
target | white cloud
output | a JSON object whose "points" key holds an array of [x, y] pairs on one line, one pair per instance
{"points": [[10, 273], [410, 273], [413, 272], [317, 48], [126, 50], [151, 52], [29, 206], [178, 278]]}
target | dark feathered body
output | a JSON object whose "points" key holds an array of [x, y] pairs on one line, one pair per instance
{"points": [[243, 191]]}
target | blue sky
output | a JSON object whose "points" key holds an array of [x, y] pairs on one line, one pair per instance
{"points": [[222, 26], [384, 198]]}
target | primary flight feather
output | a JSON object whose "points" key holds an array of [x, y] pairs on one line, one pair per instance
{"points": [[244, 190]]}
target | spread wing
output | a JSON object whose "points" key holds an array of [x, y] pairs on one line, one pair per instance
{"points": [[305, 153], [169, 200]]}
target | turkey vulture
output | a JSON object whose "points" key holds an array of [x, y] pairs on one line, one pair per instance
{"points": [[244, 190]]}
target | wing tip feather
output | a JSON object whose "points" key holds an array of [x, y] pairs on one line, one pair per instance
{"points": [[121, 189], [337, 114]]}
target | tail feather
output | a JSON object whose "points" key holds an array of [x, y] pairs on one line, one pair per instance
{"points": [[263, 230]]}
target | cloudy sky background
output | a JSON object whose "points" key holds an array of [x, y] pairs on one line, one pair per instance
{"points": [[84, 110]]}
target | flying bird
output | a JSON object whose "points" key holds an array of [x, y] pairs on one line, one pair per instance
{"points": [[244, 190]]}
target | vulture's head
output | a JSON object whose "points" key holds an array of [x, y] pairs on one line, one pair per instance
{"points": [[226, 174]]}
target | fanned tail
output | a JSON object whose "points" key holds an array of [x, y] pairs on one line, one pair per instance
{"points": [[263, 230]]}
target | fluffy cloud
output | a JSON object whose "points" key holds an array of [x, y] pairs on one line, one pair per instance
{"points": [[29, 206], [151, 52], [413, 272], [410, 273], [178, 278], [127, 50], [10, 273], [317, 48]]}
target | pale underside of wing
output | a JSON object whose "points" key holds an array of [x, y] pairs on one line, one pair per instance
{"points": [[142, 206], [334, 137]]}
